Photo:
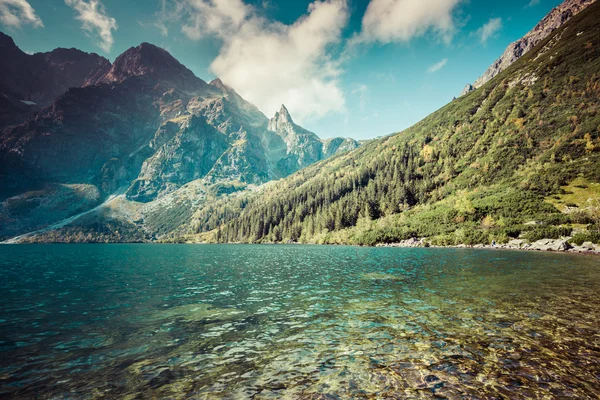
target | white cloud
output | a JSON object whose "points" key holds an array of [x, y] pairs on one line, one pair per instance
{"points": [[387, 21], [361, 91], [489, 29], [533, 3], [162, 18], [270, 63], [95, 21], [437, 66], [16, 13], [222, 18]]}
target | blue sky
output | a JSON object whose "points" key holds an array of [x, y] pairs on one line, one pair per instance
{"points": [[359, 68]]}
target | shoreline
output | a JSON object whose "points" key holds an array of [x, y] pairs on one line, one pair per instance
{"points": [[542, 245]]}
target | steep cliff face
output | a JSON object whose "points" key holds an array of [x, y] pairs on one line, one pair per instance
{"points": [[144, 126], [554, 20]]}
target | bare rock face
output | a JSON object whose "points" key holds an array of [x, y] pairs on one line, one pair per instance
{"points": [[468, 89], [554, 20]]}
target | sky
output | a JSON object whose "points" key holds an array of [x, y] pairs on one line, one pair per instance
{"points": [[356, 68]]}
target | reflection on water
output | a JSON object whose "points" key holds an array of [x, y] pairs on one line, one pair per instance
{"points": [[144, 321]]}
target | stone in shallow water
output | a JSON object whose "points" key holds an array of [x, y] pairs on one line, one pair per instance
{"points": [[196, 313], [377, 276]]}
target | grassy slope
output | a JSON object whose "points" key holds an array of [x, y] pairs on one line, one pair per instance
{"points": [[476, 170]]}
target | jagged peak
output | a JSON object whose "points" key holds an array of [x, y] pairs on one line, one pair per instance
{"points": [[284, 115]]}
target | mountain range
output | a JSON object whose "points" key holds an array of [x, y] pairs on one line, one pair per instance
{"points": [[77, 130], [145, 151]]}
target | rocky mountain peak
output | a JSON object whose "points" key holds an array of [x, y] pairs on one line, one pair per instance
{"points": [[284, 114], [148, 59], [217, 82], [161, 129], [282, 120], [222, 88]]}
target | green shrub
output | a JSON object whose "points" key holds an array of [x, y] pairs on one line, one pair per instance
{"points": [[443, 240], [548, 232], [475, 236], [581, 217], [511, 231], [554, 219], [389, 234], [580, 238]]}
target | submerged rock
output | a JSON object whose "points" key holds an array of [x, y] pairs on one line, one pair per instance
{"points": [[196, 312], [376, 276]]}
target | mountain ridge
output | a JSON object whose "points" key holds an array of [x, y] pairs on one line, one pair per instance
{"points": [[558, 16], [29, 82]]}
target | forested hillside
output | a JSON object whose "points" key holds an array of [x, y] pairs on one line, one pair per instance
{"points": [[498, 163]]}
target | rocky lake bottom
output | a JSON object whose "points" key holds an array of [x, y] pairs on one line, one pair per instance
{"points": [[308, 322]]}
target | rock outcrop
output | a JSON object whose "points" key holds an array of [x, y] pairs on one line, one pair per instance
{"points": [[559, 245], [554, 20], [468, 89]]}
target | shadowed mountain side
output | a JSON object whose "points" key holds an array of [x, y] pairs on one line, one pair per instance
{"points": [[29, 82]]}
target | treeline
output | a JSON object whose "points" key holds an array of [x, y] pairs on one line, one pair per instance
{"points": [[390, 183]]}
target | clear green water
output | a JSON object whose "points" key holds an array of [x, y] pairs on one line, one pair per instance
{"points": [[228, 321]]}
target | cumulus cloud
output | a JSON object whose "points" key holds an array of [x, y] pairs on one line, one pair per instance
{"points": [[489, 29], [213, 17], [16, 13], [437, 66], [270, 63], [95, 21], [387, 21]]}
